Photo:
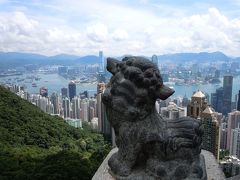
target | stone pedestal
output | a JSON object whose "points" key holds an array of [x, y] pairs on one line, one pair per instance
{"points": [[214, 172], [103, 171]]}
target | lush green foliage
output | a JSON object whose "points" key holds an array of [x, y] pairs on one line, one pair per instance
{"points": [[35, 145]]}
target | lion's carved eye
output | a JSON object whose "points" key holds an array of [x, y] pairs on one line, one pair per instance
{"points": [[153, 81], [129, 63], [148, 73]]}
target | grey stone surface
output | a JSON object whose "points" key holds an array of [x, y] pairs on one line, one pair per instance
{"points": [[150, 147], [213, 170], [103, 171]]}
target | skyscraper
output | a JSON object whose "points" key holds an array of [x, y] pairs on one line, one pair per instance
{"points": [[185, 101], [93, 104], [76, 108], [155, 59], [43, 91], [50, 108], [101, 87], [235, 142], [238, 102], [227, 94], [72, 90], [43, 101], [91, 113], [64, 92], [56, 103], [217, 100], [101, 57], [103, 124], [211, 135], [200, 109], [223, 139], [233, 123], [66, 107], [84, 110], [197, 105]]}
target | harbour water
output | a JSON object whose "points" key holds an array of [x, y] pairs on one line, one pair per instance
{"points": [[55, 82]]}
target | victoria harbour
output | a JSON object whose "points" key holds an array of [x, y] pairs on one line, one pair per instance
{"points": [[54, 82]]}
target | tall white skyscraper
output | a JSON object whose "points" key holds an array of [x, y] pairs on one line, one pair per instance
{"points": [[43, 101], [76, 108], [84, 110], [56, 103], [50, 108], [223, 133], [100, 106], [235, 142], [66, 107], [93, 104], [233, 123]]}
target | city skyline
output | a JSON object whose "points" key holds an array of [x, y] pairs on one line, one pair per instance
{"points": [[142, 27]]}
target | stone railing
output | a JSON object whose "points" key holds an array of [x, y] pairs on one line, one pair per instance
{"points": [[213, 170]]}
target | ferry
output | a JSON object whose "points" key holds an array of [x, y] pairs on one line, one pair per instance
{"points": [[37, 78], [20, 80]]}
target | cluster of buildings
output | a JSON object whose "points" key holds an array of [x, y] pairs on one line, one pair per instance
{"points": [[72, 107], [195, 73], [221, 126]]}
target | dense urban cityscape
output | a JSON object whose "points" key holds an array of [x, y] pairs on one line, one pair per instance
{"points": [[218, 111]]}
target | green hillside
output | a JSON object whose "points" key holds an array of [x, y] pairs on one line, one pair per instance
{"points": [[35, 145]]}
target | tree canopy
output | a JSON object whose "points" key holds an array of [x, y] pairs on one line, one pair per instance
{"points": [[36, 145]]}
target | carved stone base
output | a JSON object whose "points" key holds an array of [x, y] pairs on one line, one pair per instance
{"points": [[213, 172]]}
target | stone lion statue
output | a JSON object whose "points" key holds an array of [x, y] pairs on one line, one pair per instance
{"points": [[149, 147]]}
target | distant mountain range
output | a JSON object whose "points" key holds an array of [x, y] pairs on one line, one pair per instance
{"points": [[198, 57], [16, 59]]}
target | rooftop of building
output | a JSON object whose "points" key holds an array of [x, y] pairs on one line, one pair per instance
{"points": [[210, 113], [236, 112], [199, 94], [209, 110], [230, 159], [173, 106]]}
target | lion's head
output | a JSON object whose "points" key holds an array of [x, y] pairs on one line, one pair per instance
{"points": [[135, 86]]}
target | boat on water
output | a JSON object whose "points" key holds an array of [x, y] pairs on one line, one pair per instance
{"points": [[20, 80], [28, 81]]}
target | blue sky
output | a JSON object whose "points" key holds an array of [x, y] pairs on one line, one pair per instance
{"points": [[138, 27]]}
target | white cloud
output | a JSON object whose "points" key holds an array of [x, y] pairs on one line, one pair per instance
{"points": [[124, 30], [97, 32], [213, 32], [119, 35]]}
